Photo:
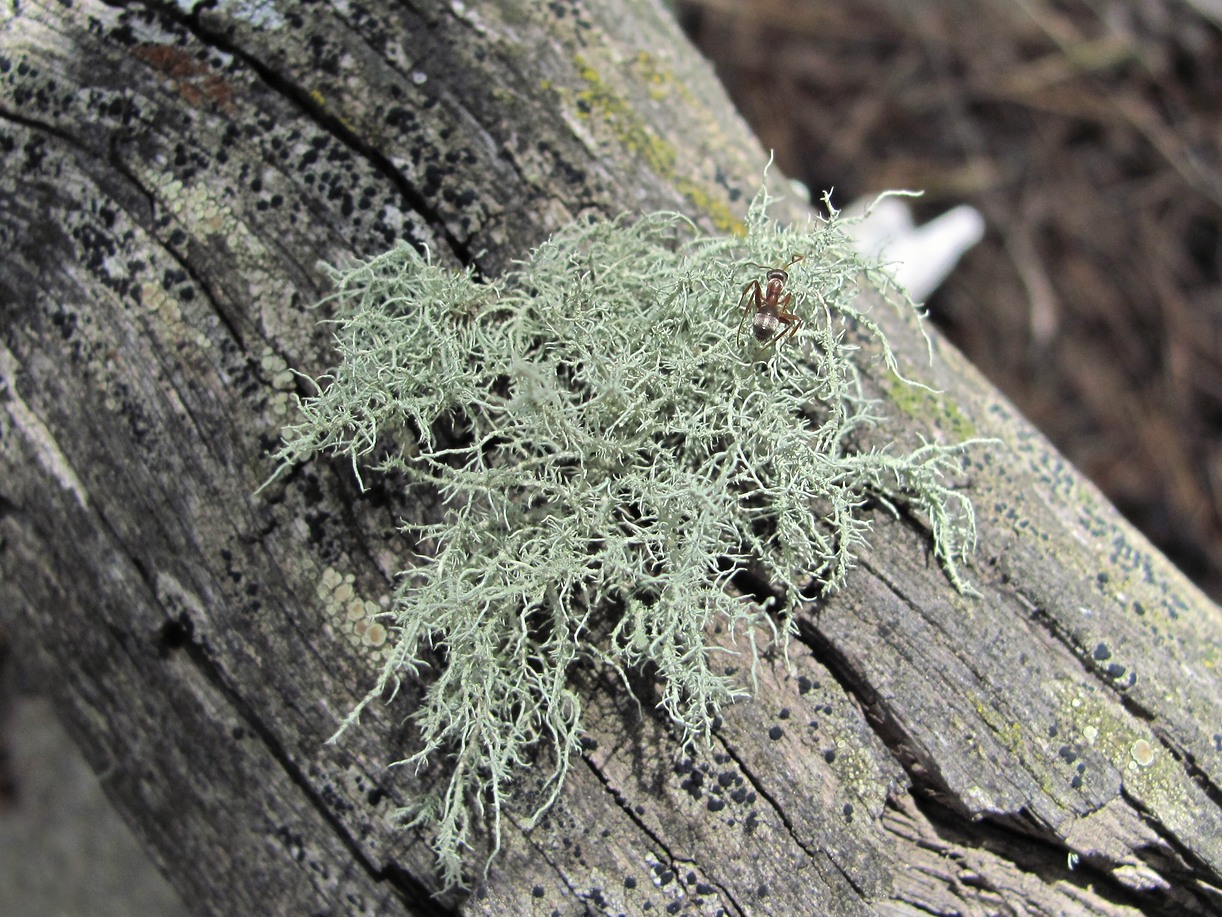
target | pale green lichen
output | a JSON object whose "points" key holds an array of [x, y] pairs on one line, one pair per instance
{"points": [[610, 456]]}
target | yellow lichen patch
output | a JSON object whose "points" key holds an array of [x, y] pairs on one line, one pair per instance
{"points": [[280, 403], [154, 298], [271, 362], [165, 309], [931, 407], [277, 367], [375, 634], [718, 210], [195, 204], [1095, 722], [600, 104], [317, 97], [1142, 752], [352, 615], [199, 210], [282, 378], [1011, 733], [661, 80]]}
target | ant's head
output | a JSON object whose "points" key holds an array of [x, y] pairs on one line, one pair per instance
{"points": [[780, 274]]}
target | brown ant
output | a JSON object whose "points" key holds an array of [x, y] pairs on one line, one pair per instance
{"points": [[772, 320]]}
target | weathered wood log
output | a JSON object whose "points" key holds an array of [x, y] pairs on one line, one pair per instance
{"points": [[173, 177]]}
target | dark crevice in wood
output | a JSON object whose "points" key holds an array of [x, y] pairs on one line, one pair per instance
{"points": [[1018, 834], [618, 800], [332, 124], [544, 855], [227, 322], [178, 635], [1041, 618], [419, 900], [114, 161], [1047, 861], [622, 804], [1194, 772], [10, 781], [74, 142], [761, 790], [414, 895], [921, 773], [41, 127], [1201, 872]]}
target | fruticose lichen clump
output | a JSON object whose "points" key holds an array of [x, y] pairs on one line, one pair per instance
{"points": [[609, 456]]}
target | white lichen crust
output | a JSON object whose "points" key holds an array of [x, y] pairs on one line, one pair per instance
{"points": [[606, 453]]}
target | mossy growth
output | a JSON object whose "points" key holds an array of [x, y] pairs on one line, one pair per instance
{"points": [[610, 454]]}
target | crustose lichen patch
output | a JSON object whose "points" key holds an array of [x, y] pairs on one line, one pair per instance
{"points": [[610, 453]]}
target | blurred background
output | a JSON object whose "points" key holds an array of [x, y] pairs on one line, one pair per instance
{"points": [[1088, 134]]}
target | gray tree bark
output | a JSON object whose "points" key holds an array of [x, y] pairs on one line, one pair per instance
{"points": [[174, 175]]}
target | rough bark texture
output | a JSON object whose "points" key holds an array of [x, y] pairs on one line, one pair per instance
{"points": [[172, 178]]}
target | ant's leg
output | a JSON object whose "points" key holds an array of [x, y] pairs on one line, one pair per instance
{"points": [[753, 303], [792, 323]]}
